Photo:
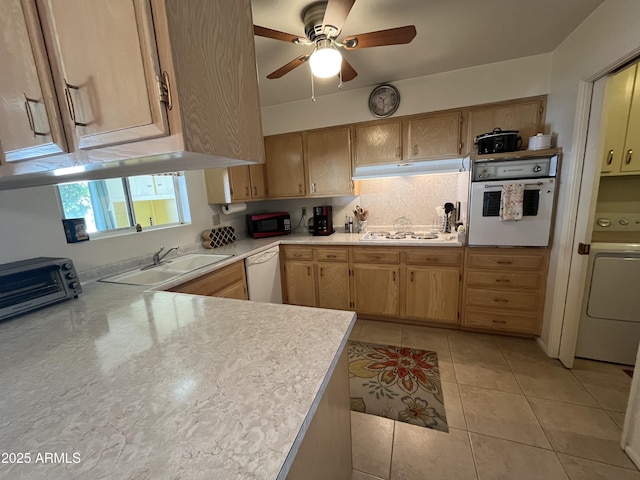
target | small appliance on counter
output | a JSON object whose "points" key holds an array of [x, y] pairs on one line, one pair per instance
{"points": [[323, 220], [268, 224], [30, 284]]}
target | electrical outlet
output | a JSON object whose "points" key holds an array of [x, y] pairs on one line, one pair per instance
{"points": [[215, 219], [304, 211]]}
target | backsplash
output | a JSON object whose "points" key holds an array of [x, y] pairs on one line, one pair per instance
{"points": [[386, 199]]}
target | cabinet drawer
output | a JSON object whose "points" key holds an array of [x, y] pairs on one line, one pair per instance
{"points": [[298, 253], [213, 283], [502, 299], [532, 261], [429, 256], [504, 279], [332, 254], [376, 255], [500, 321]]}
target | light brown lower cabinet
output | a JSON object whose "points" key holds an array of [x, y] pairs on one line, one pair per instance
{"points": [[432, 294], [504, 289], [421, 284], [300, 283], [376, 289], [333, 286], [227, 282]]}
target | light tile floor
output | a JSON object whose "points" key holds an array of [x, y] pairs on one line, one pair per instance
{"points": [[513, 414]]}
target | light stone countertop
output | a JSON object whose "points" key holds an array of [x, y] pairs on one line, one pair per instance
{"points": [[142, 384]]}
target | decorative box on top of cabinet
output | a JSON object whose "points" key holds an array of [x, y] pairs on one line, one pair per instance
{"points": [[136, 79], [504, 289], [620, 137]]}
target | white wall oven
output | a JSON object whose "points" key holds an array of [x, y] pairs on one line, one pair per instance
{"points": [[512, 202]]}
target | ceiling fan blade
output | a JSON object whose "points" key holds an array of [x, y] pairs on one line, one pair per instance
{"points": [[348, 72], [296, 62], [392, 36], [275, 34], [335, 15]]}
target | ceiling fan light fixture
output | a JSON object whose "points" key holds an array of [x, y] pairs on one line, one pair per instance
{"points": [[326, 60]]}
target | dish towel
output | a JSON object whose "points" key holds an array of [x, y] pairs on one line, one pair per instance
{"points": [[511, 201]]}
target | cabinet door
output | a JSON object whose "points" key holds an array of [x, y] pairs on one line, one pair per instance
{"points": [[284, 165], [105, 69], [376, 289], [615, 116], [378, 143], [329, 161], [433, 136], [29, 119], [300, 283], [432, 294], [256, 172], [631, 154], [522, 115], [240, 182], [237, 291], [333, 286]]}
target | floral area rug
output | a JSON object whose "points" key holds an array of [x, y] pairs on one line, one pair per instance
{"points": [[398, 383]]}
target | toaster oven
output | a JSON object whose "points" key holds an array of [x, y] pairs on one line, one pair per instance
{"points": [[30, 284]]}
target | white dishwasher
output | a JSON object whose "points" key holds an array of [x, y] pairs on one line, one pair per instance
{"points": [[263, 276]]}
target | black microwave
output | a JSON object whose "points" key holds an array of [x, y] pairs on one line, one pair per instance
{"points": [[268, 224], [29, 284]]}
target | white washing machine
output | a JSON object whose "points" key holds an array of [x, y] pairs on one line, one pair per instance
{"points": [[610, 321]]}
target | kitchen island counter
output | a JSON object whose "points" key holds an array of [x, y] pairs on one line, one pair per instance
{"points": [[128, 383]]}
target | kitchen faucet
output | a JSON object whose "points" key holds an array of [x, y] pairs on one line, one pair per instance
{"points": [[157, 258]]}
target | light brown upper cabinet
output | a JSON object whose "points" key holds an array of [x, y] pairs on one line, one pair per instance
{"points": [[29, 119], [284, 166], [328, 156], [378, 142], [143, 78], [525, 115], [235, 184], [620, 140], [106, 66], [432, 136]]}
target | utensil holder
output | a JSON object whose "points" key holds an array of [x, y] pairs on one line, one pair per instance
{"points": [[362, 226]]}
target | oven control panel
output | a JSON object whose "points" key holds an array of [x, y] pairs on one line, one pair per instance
{"points": [[522, 168]]}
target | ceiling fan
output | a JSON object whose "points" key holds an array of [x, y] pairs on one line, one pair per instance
{"points": [[323, 21]]}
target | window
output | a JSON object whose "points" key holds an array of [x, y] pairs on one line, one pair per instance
{"points": [[121, 203]]}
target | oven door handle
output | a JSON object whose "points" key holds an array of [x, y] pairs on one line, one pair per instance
{"points": [[537, 184]]}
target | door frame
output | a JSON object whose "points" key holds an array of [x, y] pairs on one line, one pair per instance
{"points": [[583, 183]]}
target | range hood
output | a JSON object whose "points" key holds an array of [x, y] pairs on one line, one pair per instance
{"points": [[411, 168], [163, 163]]}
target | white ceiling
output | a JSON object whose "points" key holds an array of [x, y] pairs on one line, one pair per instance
{"points": [[452, 34]]}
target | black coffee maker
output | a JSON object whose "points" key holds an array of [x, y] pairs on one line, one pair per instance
{"points": [[323, 220]]}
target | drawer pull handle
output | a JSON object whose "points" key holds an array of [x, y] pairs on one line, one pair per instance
{"points": [[321, 271], [503, 280], [433, 259], [70, 106], [32, 125], [246, 189], [309, 271], [610, 157], [394, 277], [504, 262], [411, 277], [500, 300], [499, 321], [255, 191], [629, 155], [376, 257], [332, 256]]}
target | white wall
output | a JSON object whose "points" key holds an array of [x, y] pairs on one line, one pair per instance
{"points": [[606, 39], [30, 226], [522, 77]]}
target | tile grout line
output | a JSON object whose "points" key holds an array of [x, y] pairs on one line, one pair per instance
{"points": [[473, 455], [393, 441]]}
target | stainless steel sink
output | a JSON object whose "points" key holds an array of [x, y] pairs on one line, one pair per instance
{"points": [[167, 271]]}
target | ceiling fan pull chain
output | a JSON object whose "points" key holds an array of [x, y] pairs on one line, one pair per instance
{"points": [[340, 76], [313, 92]]}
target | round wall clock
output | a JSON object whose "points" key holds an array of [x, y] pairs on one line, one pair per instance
{"points": [[384, 100]]}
